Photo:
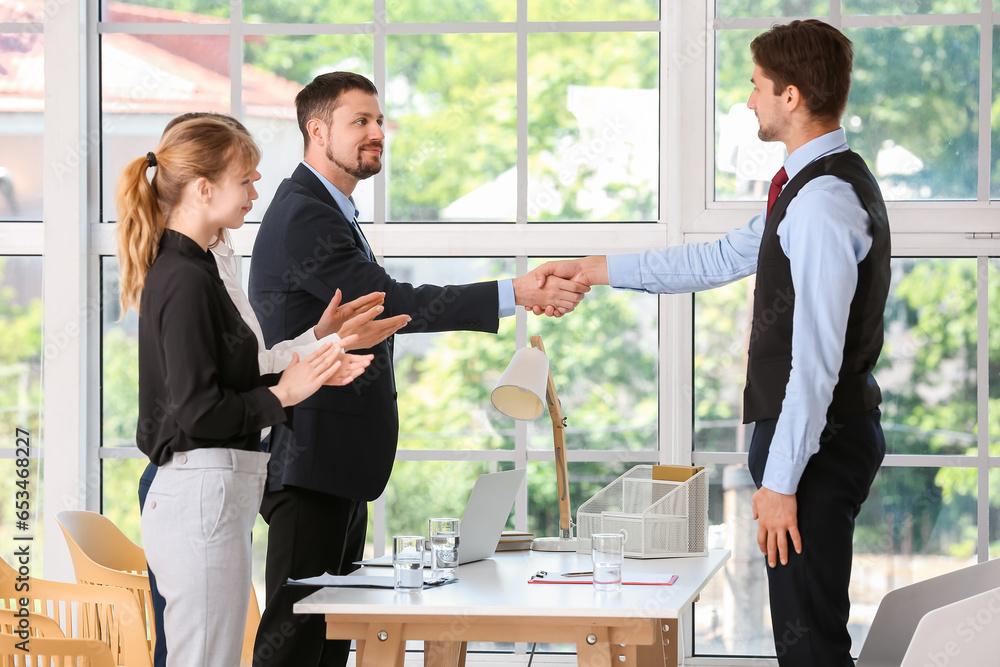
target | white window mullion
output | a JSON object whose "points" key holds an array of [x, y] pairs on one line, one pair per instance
{"points": [[236, 59], [64, 361], [983, 410], [686, 185], [521, 426], [521, 260], [381, 75], [985, 102], [379, 520], [522, 113]]}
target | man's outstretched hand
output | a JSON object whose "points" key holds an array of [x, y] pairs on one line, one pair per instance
{"points": [[583, 272], [554, 296]]}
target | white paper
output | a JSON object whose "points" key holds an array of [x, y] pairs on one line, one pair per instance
{"points": [[355, 581]]}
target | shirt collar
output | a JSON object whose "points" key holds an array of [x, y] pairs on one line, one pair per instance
{"points": [[831, 142], [222, 248], [186, 246], [345, 203]]}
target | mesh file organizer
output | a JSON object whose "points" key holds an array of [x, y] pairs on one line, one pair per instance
{"points": [[659, 518]]}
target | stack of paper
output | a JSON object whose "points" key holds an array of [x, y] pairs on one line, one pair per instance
{"points": [[513, 540]]}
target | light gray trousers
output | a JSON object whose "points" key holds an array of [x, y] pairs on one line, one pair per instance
{"points": [[196, 528]]}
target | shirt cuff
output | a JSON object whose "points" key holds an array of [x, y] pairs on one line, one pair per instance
{"points": [[624, 272], [505, 294], [332, 338], [782, 475]]}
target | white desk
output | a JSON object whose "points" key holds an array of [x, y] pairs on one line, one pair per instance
{"points": [[493, 601]]}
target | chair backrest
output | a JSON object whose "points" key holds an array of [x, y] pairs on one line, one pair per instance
{"points": [[35, 624], [901, 610], [54, 652], [104, 613], [104, 556], [101, 542], [960, 633], [100, 553]]}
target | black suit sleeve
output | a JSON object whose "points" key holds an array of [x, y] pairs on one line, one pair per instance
{"points": [[327, 256]]}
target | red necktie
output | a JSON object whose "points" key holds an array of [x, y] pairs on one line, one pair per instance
{"points": [[772, 194]]}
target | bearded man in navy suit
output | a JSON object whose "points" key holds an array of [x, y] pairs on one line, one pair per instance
{"points": [[341, 451]]}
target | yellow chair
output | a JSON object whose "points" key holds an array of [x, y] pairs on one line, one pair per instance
{"points": [[38, 626], [103, 555], [55, 652], [107, 614]]}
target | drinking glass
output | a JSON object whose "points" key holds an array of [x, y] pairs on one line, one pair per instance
{"points": [[607, 553], [444, 536], [408, 562]]}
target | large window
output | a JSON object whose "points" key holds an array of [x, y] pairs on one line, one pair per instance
{"points": [[21, 354], [520, 130], [22, 347], [494, 122], [922, 517]]}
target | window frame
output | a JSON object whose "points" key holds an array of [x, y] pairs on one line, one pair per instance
{"points": [[77, 238]]}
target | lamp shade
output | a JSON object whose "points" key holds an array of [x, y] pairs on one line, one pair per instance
{"points": [[520, 392]]}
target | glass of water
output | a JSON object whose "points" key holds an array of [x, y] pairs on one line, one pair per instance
{"points": [[607, 554], [444, 536], [408, 562]]}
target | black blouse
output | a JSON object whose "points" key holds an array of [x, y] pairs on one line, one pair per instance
{"points": [[199, 380]]}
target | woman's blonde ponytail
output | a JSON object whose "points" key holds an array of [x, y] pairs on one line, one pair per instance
{"points": [[140, 225]]}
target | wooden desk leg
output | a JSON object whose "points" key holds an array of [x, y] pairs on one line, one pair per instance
{"points": [[663, 652], [387, 650], [444, 654], [601, 654], [594, 655]]}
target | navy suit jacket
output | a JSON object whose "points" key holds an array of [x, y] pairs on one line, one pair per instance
{"points": [[344, 441]]}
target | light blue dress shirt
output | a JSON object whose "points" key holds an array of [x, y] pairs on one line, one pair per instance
{"points": [[825, 236], [505, 288]]}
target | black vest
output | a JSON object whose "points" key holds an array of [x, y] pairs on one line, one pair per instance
{"points": [[770, 356]]}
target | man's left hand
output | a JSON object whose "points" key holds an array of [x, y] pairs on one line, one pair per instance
{"points": [[335, 315], [777, 519]]}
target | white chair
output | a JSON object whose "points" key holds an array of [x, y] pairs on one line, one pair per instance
{"points": [[966, 632], [916, 623]]}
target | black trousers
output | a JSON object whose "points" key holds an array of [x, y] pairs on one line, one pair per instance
{"points": [[159, 604], [309, 534], [809, 596]]}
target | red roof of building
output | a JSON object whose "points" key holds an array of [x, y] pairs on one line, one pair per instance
{"points": [[143, 73]]}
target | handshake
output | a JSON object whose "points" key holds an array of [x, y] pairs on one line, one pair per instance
{"points": [[555, 288]]}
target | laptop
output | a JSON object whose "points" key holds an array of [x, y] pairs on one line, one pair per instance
{"points": [[484, 518]]}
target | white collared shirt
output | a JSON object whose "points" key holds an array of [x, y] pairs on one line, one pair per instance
{"points": [[825, 236], [278, 357]]}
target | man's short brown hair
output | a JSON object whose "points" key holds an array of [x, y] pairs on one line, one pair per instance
{"points": [[319, 98], [814, 57]]}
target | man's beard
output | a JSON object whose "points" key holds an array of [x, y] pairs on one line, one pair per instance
{"points": [[361, 170], [768, 133]]}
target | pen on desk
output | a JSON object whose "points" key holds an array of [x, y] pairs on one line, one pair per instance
{"points": [[576, 574]]}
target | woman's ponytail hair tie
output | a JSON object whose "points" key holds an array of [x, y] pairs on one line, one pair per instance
{"points": [[151, 159]]}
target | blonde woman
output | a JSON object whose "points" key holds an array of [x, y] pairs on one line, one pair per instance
{"points": [[202, 399], [354, 322]]}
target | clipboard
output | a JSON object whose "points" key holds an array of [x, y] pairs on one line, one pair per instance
{"points": [[363, 581], [634, 580]]}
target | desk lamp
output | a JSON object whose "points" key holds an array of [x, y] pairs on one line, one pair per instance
{"points": [[519, 394]]}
